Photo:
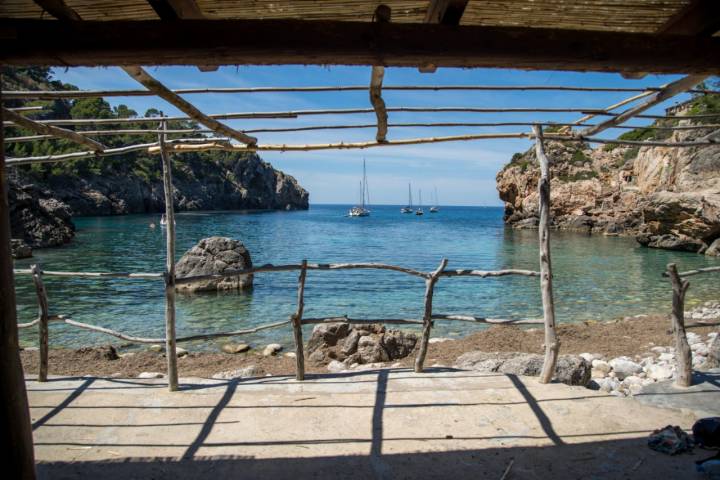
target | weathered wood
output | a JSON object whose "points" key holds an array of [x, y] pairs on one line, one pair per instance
{"points": [[362, 321], [60, 94], [362, 265], [170, 345], [32, 138], [698, 18], [139, 74], [235, 333], [683, 353], [488, 273], [619, 104], [51, 130], [695, 272], [672, 89], [494, 321], [176, 9], [58, 9], [144, 276], [297, 325], [16, 457], [552, 344], [445, 12], [28, 324], [43, 329], [376, 80], [273, 42], [427, 315], [234, 273], [108, 331]]}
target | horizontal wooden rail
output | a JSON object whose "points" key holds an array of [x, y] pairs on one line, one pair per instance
{"points": [[234, 273], [359, 321], [494, 321], [29, 324], [60, 94], [695, 272], [488, 273], [352, 266], [235, 333], [148, 276], [108, 331]]}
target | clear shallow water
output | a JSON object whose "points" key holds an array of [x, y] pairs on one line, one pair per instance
{"points": [[596, 277]]}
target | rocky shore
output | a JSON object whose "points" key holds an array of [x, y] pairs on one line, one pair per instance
{"points": [[619, 357], [664, 197]]}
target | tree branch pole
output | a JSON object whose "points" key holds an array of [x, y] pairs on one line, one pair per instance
{"points": [[427, 316], [552, 344], [682, 348], [170, 343], [17, 457], [43, 328], [297, 325]]}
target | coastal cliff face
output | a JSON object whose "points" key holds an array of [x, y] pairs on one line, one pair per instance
{"points": [[665, 197], [41, 210]]}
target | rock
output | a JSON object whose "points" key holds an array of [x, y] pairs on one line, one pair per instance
{"points": [[19, 249], [233, 348], [440, 340], [659, 372], [699, 349], [624, 367], [151, 375], [601, 365], [350, 345], [675, 242], [105, 352], [215, 255], [658, 350], [180, 352], [245, 372], [597, 373], [272, 349], [326, 335], [713, 249], [693, 338], [635, 389], [608, 384], [666, 357], [37, 219], [570, 369], [632, 380], [291, 355], [156, 347], [336, 367]]}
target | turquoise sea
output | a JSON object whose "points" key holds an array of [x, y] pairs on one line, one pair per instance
{"points": [[596, 277]]}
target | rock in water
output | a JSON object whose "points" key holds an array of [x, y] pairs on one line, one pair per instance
{"points": [[233, 348], [19, 249], [212, 256]]}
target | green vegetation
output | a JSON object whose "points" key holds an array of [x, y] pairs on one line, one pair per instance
{"points": [[579, 158]]}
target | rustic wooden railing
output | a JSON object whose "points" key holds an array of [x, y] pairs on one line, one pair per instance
{"points": [[296, 320], [683, 353]]}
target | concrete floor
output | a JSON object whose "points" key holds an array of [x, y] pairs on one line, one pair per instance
{"points": [[376, 424]]}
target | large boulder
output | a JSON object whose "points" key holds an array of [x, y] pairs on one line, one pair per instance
{"points": [[19, 249], [570, 369], [360, 344], [215, 255]]}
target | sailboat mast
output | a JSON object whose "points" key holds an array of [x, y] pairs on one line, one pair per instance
{"points": [[410, 195]]}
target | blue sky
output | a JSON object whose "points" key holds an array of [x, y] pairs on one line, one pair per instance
{"points": [[463, 172]]}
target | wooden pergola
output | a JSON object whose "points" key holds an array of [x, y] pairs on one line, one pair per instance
{"points": [[632, 38]]}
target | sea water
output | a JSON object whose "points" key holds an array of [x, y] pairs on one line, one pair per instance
{"points": [[595, 277]]}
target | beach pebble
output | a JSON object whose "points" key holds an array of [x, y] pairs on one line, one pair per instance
{"points": [[151, 375], [336, 367], [156, 348], [624, 367], [693, 338], [233, 348], [659, 372], [666, 357], [601, 365], [659, 350], [272, 349], [291, 355], [440, 340], [635, 389], [632, 380], [180, 352], [598, 373], [126, 354], [607, 384], [246, 372], [699, 349]]}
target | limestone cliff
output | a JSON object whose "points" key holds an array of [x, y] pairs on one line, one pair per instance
{"points": [[666, 197]]}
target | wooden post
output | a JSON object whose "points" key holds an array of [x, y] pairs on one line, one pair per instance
{"points": [[297, 325], [552, 344], [170, 345], [682, 348], [43, 316], [17, 457], [427, 316]]}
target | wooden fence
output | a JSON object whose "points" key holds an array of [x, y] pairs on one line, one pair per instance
{"points": [[683, 353], [296, 320]]}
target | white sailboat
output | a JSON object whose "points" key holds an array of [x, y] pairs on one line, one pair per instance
{"points": [[361, 210], [435, 208], [409, 207], [419, 210]]}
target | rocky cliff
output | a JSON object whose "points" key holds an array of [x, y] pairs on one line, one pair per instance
{"points": [[41, 208], [666, 197]]}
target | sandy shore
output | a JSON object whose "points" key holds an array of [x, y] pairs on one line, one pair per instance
{"points": [[632, 337]]}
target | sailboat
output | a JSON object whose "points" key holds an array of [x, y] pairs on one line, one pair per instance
{"points": [[435, 208], [361, 210], [419, 210], [409, 207]]}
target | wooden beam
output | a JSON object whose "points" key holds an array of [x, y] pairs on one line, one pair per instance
{"points": [[17, 457], [683, 353], [444, 12], [430, 282], [272, 42], [552, 344], [139, 74], [43, 129], [58, 9], [382, 15], [672, 89]]}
